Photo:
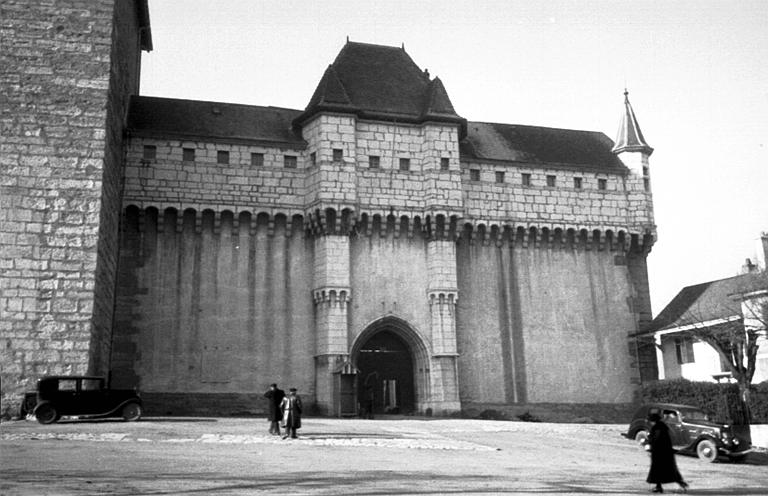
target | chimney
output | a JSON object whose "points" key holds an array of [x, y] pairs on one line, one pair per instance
{"points": [[762, 251]]}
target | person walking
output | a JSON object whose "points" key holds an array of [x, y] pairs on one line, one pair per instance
{"points": [[291, 407], [275, 397], [663, 466]]}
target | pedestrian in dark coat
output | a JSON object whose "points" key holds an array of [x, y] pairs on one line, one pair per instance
{"points": [[663, 465], [275, 397], [291, 406]]}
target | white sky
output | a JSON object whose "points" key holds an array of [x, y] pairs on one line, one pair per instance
{"points": [[697, 73]]}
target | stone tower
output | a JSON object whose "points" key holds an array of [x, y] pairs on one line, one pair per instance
{"points": [[69, 68]]}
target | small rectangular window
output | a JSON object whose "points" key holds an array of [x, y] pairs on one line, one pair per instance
{"points": [[551, 181], [445, 163], [374, 161], [645, 170], [647, 184], [499, 176], [222, 157], [188, 154], [338, 154], [602, 184], [577, 182], [289, 161], [313, 158], [150, 152], [405, 164], [257, 159], [526, 179], [474, 174], [684, 350]]}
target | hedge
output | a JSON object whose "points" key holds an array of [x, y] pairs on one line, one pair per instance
{"points": [[720, 400]]}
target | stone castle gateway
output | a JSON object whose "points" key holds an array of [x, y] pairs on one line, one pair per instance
{"points": [[375, 246]]}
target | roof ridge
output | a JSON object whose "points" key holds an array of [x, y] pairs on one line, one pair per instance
{"points": [[539, 127], [211, 102]]}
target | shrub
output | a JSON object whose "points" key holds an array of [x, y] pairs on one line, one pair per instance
{"points": [[721, 400]]}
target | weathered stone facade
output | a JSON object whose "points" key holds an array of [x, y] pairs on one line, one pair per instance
{"points": [[265, 245], [68, 70]]}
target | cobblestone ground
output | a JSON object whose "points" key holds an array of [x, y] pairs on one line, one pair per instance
{"points": [[164, 456]]}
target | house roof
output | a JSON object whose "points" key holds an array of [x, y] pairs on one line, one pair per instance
{"points": [[630, 137], [708, 301], [382, 83], [540, 145], [192, 118]]}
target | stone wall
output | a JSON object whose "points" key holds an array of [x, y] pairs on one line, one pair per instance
{"points": [[211, 307], [548, 324], [66, 76]]}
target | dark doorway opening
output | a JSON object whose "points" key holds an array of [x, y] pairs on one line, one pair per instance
{"points": [[385, 380]]}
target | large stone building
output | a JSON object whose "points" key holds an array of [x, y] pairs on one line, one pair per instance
{"points": [[373, 248]]}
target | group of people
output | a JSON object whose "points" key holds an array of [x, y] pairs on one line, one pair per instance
{"points": [[284, 409]]}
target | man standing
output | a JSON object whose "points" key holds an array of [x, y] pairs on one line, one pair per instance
{"points": [[275, 397], [291, 407]]}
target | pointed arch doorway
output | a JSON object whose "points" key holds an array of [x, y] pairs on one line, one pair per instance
{"points": [[392, 363]]}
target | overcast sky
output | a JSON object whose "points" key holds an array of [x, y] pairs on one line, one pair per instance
{"points": [[697, 73]]}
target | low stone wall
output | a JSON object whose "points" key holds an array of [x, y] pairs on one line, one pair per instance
{"points": [[204, 404], [599, 413]]}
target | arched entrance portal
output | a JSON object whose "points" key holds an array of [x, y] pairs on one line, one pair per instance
{"points": [[390, 358]]}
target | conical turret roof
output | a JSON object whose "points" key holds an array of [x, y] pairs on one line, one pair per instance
{"points": [[629, 137]]}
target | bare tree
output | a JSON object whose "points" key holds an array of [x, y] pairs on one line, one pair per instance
{"points": [[735, 337]]}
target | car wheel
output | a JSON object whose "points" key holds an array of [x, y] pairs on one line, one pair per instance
{"points": [[46, 414], [641, 437], [706, 450], [131, 412]]}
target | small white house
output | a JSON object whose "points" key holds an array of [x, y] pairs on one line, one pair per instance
{"points": [[734, 304]]}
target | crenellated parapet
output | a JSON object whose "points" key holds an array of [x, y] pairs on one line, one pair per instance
{"points": [[333, 297]]}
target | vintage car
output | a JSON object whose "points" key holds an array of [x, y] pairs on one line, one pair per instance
{"points": [[80, 396], [692, 432]]}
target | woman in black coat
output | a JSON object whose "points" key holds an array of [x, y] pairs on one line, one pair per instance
{"points": [[663, 465]]}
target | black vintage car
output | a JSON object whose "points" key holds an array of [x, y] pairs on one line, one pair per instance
{"points": [[81, 396], [692, 432]]}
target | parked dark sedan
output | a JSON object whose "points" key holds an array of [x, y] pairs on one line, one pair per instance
{"points": [[82, 396], [692, 432]]}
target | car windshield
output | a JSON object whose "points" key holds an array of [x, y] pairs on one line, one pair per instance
{"points": [[691, 415]]}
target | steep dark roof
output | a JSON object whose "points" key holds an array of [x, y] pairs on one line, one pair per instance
{"points": [[382, 83], [540, 145], [630, 137], [708, 301], [191, 118]]}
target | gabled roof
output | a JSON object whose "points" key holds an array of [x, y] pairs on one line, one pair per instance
{"points": [[708, 301], [630, 137], [382, 83], [540, 146], [197, 119]]}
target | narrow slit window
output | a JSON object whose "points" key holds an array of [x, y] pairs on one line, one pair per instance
{"points": [[313, 158]]}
